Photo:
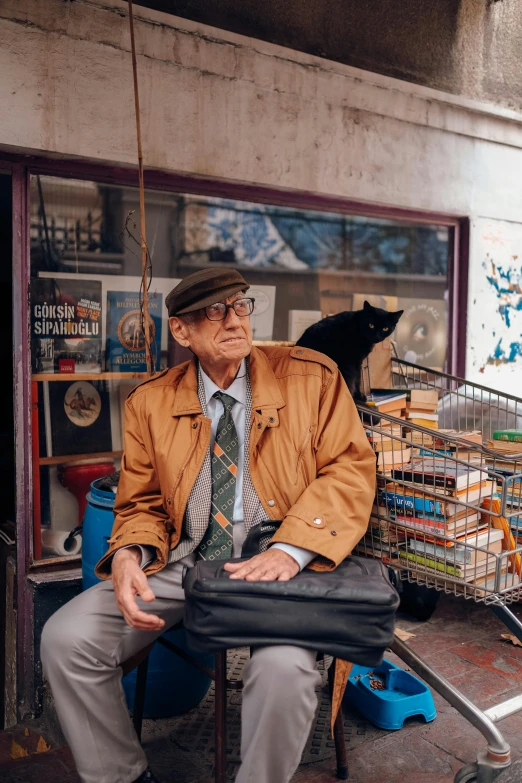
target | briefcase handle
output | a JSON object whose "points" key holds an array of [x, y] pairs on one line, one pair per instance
{"points": [[253, 539]]}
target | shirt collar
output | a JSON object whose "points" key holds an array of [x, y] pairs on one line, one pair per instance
{"points": [[237, 389]]}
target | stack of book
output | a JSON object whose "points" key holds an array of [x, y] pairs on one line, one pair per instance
{"points": [[386, 436], [445, 537], [473, 437], [392, 403], [381, 539], [471, 557], [421, 408], [507, 444], [392, 452], [420, 441], [467, 449], [442, 444], [509, 437]]}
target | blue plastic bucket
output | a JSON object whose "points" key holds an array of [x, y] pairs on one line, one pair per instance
{"points": [[173, 686]]}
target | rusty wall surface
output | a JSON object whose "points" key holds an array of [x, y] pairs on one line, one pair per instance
{"points": [[468, 47]]}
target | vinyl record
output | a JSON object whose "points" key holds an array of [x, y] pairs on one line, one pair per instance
{"points": [[79, 417], [421, 334]]}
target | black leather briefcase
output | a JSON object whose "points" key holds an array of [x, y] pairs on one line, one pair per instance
{"points": [[348, 613]]}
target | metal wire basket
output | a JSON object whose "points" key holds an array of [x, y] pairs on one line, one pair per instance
{"points": [[448, 509]]}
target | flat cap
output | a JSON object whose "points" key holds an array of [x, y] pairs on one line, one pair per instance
{"points": [[203, 288]]}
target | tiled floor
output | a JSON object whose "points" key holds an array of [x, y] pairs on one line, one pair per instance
{"points": [[461, 641]]}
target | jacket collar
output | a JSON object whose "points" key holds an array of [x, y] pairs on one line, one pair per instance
{"points": [[265, 386], [266, 393]]}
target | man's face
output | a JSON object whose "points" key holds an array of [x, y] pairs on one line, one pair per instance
{"points": [[215, 342]]}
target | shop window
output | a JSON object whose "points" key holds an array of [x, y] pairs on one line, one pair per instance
{"points": [[87, 348]]}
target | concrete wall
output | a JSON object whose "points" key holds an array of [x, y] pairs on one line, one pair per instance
{"points": [[221, 105], [467, 47]]}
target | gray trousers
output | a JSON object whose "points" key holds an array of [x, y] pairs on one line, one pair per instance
{"points": [[83, 645]]}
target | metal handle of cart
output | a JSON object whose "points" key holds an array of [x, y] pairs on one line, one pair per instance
{"points": [[475, 488]]}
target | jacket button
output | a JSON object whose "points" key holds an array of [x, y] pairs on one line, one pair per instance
{"points": [[271, 419], [318, 521], [334, 533], [259, 426], [271, 502], [194, 426], [299, 352]]}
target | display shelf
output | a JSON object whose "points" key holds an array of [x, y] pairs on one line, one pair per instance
{"points": [[65, 460], [89, 376]]}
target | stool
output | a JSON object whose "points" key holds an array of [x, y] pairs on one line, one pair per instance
{"points": [[222, 684]]}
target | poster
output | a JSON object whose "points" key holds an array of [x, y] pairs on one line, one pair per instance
{"points": [[262, 319], [159, 285], [66, 320], [125, 346], [299, 321], [80, 421], [421, 336]]}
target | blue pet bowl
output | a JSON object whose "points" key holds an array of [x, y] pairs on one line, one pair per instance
{"points": [[400, 696]]}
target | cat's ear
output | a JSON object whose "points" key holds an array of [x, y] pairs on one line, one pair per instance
{"points": [[397, 315], [367, 306]]}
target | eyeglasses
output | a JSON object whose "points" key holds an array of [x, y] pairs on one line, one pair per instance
{"points": [[219, 311]]}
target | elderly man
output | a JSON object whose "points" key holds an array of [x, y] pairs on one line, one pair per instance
{"points": [[233, 437]]}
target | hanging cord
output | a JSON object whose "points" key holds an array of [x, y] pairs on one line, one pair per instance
{"points": [[146, 266]]}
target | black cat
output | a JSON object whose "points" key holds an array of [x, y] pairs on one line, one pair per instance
{"points": [[348, 338]]}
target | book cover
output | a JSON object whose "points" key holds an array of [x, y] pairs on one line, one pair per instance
{"points": [[473, 436], [421, 407], [125, 349], [380, 398], [389, 445], [413, 506], [438, 526], [514, 436], [405, 504], [426, 423], [424, 397], [80, 419], [467, 573], [262, 319], [66, 325], [299, 321], [394, 457], [421, 415], [459, 553], [448, 476]]}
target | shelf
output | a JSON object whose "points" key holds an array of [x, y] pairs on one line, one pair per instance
{"points": [[89, 376], [64, 460]]}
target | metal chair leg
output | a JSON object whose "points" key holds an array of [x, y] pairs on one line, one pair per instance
{"points": [[139, 695], [340, 744], [221, 717]]}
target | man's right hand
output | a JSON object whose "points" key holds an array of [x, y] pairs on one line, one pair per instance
{"points": [[130, 581]]}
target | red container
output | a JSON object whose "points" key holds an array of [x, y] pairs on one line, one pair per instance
{"points": [[78, 476]]}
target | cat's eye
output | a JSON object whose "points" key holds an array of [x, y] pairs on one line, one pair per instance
{"points": [[385, 328], [371, 326]]}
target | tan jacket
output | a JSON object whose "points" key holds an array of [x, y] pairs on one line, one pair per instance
{"points": [[310, 461]]}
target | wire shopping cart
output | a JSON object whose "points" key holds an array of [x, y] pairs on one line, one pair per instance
{"points": [[448, 516]]}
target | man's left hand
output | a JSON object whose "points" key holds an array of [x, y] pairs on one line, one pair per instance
{"points": [[270, 566]]}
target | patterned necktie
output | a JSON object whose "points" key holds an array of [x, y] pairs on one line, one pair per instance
{"points": [[217, 541]]}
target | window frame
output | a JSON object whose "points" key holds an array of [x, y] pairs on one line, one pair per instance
{"points": [[195, 185], [21, 166]]}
